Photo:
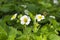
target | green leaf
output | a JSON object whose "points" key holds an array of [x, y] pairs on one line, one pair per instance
{"points": [[23, 37], [12, 34], [54, 37], [3, 34]]}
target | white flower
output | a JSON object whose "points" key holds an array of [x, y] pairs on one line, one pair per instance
{"points": [[26, 12], [14, 16], [55, 1], [25, 20], [52, 17], [24, 6], [39, 17]]}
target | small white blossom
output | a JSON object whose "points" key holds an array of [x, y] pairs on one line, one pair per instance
{"points": [[55, 1], [25, 20], [39, 17], [52, 17], [26, 12], [14, 16], [24, 6]]}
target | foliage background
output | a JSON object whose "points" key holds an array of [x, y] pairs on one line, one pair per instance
{"points": [[49, 29]]}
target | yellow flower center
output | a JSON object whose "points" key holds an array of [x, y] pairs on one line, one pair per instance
{"points": [[39, 17], [25, 20]]}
